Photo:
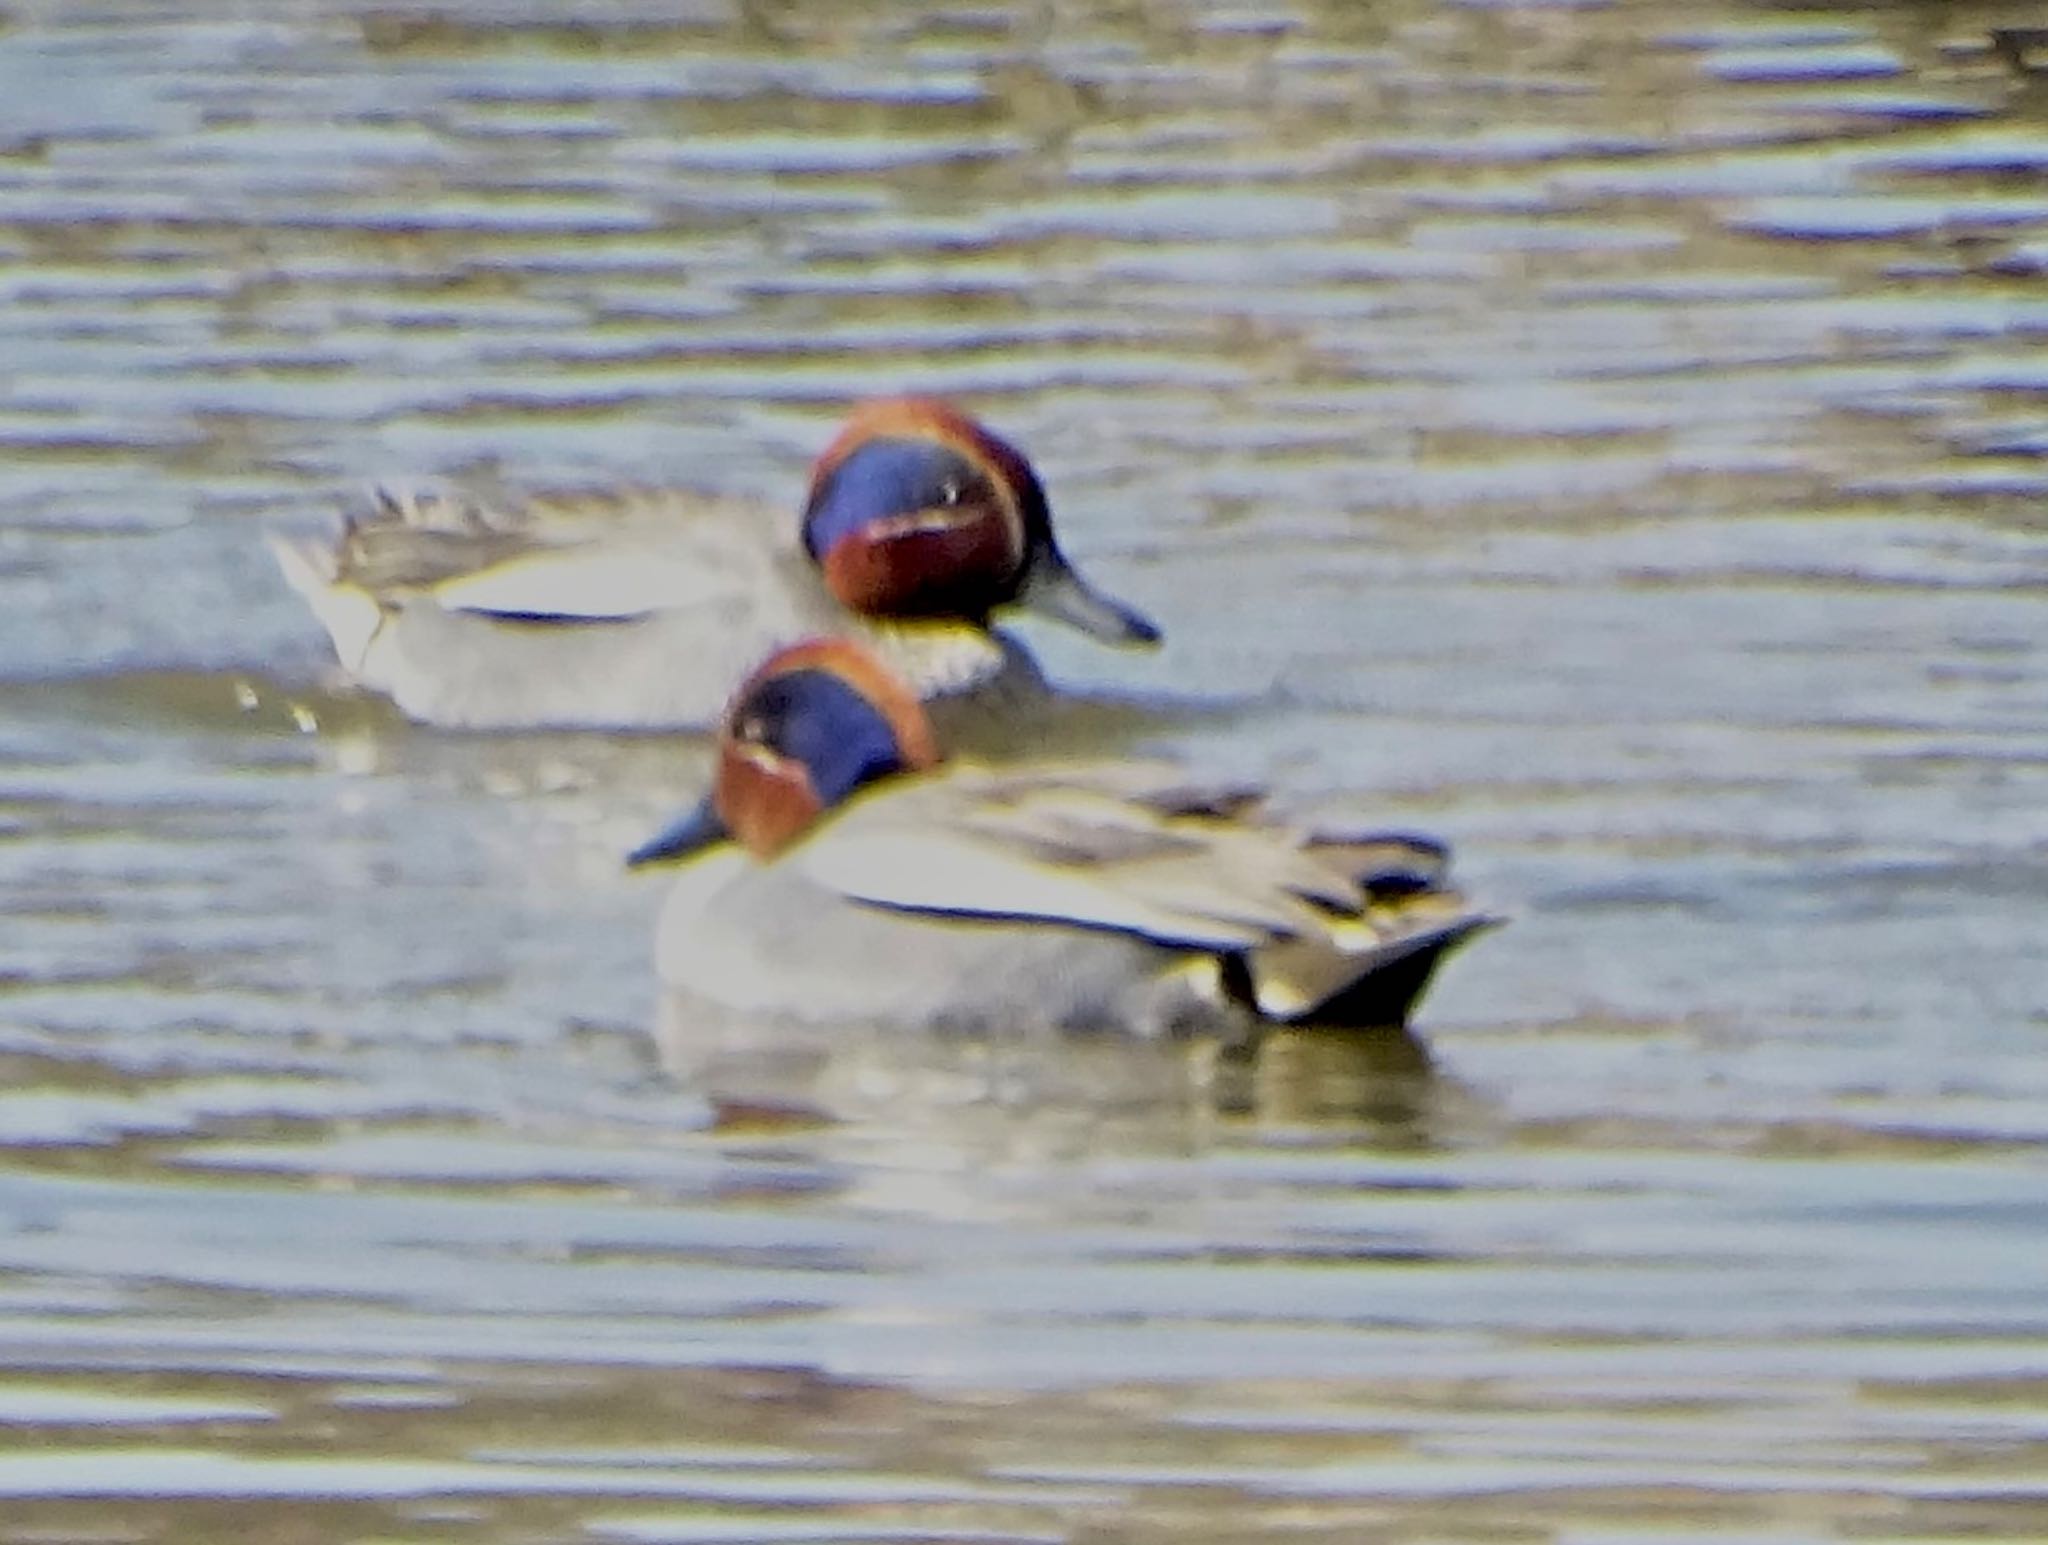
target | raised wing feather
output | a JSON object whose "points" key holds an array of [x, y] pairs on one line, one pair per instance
{"points": [[575, 557]]}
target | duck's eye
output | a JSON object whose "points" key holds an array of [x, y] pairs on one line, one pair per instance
{"points": [[750, 729], [951, 492]]}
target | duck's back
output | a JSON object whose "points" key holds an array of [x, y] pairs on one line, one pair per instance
{"points": [[637, 611]]}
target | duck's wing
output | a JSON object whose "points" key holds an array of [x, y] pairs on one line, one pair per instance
{"points": [[1083, 847], [1331, 925], [570, 557]]}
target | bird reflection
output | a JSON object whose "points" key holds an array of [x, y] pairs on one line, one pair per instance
{"points": [[1305, 1075], [1073, 1092]]}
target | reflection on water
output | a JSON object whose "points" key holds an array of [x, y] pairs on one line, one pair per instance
{"points": [[1610, 435]]}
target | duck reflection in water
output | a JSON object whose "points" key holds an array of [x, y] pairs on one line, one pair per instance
{"points": [[975, 1100]]}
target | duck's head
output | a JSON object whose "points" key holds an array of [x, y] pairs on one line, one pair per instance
{"points": [[813, 724], [916, 510]]}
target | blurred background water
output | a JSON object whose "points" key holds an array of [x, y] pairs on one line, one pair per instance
{"points": [[1610, 435]]}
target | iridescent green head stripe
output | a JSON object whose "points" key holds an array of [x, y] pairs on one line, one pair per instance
{"points": [[814, 723], [918, 510]]}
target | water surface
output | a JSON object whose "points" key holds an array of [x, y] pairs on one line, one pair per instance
{"points": [[1610, 435]]}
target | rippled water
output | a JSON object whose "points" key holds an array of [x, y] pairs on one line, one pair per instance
{"points": [[1609, 434]]}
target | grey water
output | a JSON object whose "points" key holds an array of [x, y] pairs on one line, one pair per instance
{"points": [[1609, 435]]}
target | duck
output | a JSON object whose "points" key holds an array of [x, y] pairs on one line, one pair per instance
{"points": [[638, 610], [841, 869]]}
